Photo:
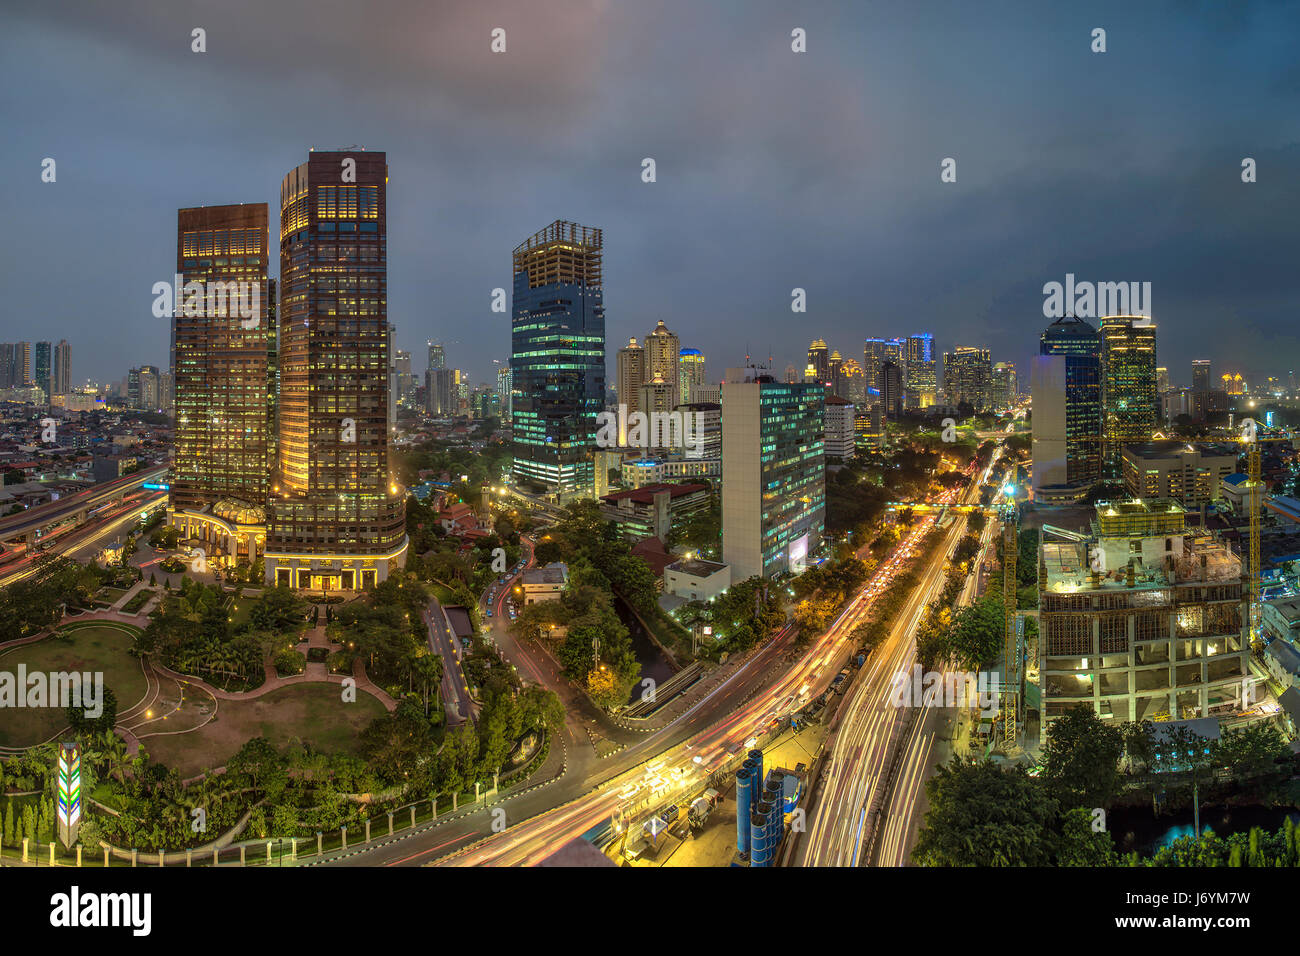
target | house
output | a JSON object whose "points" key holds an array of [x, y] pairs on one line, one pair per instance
{"points": [[695, 579], [545, 583]]}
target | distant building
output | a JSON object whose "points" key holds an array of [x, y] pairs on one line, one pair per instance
{"points": [[1192, 475], [891, 391], [690, 374], [840, 440], [1005, 386], [921, 380], [968, 377], [1130, 408], [1074, 390], [875, 353]]}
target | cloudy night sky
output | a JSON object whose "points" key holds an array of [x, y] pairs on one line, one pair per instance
{"points": [[775, 169]]}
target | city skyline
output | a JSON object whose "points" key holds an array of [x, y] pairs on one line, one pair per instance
{"points": [[884, 156]]}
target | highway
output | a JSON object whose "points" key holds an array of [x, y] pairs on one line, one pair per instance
{"points": [[678, 761], [852, 796]]}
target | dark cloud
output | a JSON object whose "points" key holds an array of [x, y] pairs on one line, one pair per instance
{"points": [[775, 170]]}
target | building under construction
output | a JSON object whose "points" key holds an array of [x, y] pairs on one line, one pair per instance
{"points": [[1140, 617]]}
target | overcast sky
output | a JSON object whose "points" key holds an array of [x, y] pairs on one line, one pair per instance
{"points": [[775, 169]]}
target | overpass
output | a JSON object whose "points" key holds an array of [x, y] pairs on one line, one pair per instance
{"points": [[28, 525]]}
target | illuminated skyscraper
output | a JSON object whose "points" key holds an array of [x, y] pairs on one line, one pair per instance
{"points": [[558, 357], [921, 379], [875, 353], [662, 356], [819, 359], [631, 375], [1130, 407], [337, 516], [968, 377], [891, 390], [41, 373], [61, 373], [1004, 385], [773, 475], [690, 373], [1079, 384], [224, 418]]}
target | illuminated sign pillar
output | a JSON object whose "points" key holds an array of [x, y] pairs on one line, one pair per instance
{"points": [[69, 793]]}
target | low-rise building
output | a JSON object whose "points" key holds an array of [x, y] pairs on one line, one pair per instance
{"points": [[1191, 475], [652, 510], [1283, 662], [1281, 618], [695, 579], [639, 472], [545, 583]]}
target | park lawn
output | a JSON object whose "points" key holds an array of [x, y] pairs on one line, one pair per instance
{"points": [[94, 647], [311, 713]]}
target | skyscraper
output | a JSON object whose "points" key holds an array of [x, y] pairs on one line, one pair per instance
{"points": [[61, 373], [336, 516], [875, 353], [1200, 389], [558, 356], [1078, 344], [690, 373], [891, 390], [631, 375], [1130, 408], [662, 356], [221, 473], [773, 476], [1004, 385], [819, 359], [8, 364], [437, 357], [968, 377], [22, 364], [41, 374], [921, 380], [503, 390]]}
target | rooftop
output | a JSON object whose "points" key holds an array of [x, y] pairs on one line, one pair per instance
{"points": [[645, 495], [554, 573], [698, 567]]}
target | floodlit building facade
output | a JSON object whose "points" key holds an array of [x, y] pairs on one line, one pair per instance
{"points": [[222, 382], [336, 514]]}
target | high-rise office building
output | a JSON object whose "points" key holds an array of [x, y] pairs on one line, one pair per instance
{"points": [[504, 391], [558, 357], [631, 376], [657, 397], [819, 359], [1130, 409], [834, 372], [437, 356], [690, 373], [1200, 389], [1004, 385], [61, 371], [921, 379], [773, 476], [8, 364], [663, 356], [968, 377], [875, 353], [402, 362], [441, 392], [22, 364], [336, 517], [1078, 343], [891, 390], [1162, 380], [224, 415], [41, 371], [853, 383], [840, 439]]}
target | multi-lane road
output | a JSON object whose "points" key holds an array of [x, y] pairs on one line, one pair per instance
{"points": [[881, 754]]}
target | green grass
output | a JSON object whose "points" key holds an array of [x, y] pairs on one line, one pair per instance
{"points": [[95, 646], [301, 712]]}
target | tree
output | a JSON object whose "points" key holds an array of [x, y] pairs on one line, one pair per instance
{"points": [[981, 815], [1081, 845], [89, 726], [1081, 759]]}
